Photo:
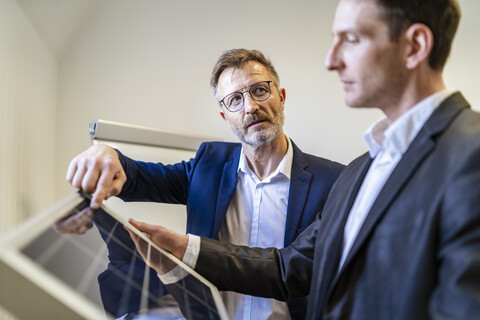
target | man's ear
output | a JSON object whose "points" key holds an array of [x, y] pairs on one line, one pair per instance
{"points": [[420, 43], [283, 95]]}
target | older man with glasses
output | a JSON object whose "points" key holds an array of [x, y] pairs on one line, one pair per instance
{"points": [[261, 192]]}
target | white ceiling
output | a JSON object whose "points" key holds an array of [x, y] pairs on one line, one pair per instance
{"points": [[57, 21]]}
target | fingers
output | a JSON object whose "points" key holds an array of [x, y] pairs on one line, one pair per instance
{"points": [[149, 229], [141, 245], [72, 169], [103, 186], [118, 181], [152, 256], [83, 228], [77, 223], [97, 171], [135, 238], [164, 238]]}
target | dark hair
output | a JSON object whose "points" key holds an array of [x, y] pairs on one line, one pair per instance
{"points": [[441, 16], [237, 58]]}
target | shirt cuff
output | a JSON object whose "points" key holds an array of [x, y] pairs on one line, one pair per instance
{"points": [[189, 258]]}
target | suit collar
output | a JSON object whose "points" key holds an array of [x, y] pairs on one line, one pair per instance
{"points": [[445, 114], [226, 189], [397, 136], [329, 239], [299, 186], [284, 167], [421, 147]]}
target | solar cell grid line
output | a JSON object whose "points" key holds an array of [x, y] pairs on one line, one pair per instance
{"points": [[128, 276], [218, 309], [145, 286], [67, 267], [47, 255], [91, 273], [188, 294]]}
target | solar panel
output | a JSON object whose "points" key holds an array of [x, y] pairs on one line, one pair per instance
{"points": [[48, 275]]}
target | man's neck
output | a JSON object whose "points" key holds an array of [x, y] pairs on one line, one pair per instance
{"points": [[421, 87], [265, 159]]}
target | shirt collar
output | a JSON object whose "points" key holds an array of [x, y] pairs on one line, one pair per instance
{"points": [[284, 167], [399, 135]]}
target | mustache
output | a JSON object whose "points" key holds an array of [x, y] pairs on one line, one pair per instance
{"points": [[254, 117]]}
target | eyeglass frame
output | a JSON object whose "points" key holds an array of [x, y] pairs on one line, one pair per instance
{"points": [[247, 89]]}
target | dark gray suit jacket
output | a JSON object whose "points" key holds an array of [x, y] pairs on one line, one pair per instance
{"points": [[417, 256]]}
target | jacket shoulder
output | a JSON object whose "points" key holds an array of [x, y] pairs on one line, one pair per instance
{"points": [[218, 150], [315, 164]]}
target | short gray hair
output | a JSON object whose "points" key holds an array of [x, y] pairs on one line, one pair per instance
{"points": [[237, 58]]}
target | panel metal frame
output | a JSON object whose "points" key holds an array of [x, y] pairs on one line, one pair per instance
{"points": [[122, 132]]}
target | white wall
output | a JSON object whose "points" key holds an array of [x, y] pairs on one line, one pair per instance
{"points": [[28, 80], [148, 62], [28, 97], [463, 68]]}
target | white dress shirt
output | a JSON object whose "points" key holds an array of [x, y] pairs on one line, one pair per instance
{"points": [[256, 217], [386, 145]]}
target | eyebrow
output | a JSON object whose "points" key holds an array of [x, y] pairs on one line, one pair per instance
{"points": [[364, 32], [249, 85]]}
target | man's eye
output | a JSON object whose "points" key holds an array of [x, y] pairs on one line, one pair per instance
{"points": [[259, 91], [351, 38], [234, 99]]}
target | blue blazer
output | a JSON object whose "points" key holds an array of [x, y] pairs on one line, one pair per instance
{"points": [[206, 184]]}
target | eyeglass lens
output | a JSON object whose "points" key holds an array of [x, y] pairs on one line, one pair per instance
{"points": [[258, 91]]}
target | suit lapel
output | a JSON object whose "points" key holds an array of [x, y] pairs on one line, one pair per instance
{"points": [[419, 150], [298, 193], [339, 206], [330, 235], [226, 189], [344, 203], [395, 183]]}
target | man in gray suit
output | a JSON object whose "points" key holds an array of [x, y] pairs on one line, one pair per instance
{"points": [[399, 237]]}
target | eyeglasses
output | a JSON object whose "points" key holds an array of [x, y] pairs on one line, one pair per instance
{"points": [[259, 91]]}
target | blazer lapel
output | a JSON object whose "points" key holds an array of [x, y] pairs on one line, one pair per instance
{"points": [[330, 235], [343, 204], [299, 186], [226, 189], [420, 148], [340, 206]]}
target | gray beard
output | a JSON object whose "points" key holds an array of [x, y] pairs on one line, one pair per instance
{"points": [[261, 136]]}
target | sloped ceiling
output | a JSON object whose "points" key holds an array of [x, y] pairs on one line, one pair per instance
{"points": [[57, 21]]}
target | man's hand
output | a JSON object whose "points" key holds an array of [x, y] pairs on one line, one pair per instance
{"points": [[97, 171], [166, 239], [77, 222]]}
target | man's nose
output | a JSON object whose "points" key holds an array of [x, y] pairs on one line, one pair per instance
{"points": [[333, 60], [249, 104]]}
